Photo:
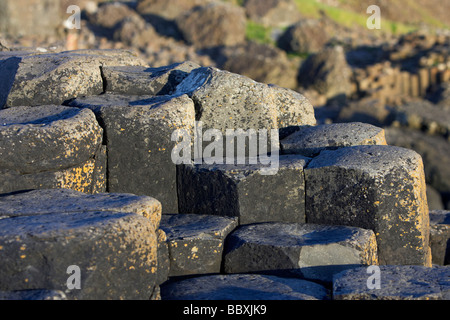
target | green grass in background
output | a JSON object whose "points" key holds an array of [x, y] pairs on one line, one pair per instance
{"points": [[348, 18], [344, 17], [259, 33]]}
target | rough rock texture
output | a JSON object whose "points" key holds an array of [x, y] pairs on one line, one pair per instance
{"points": [[51, 146], [46, 79], [140, 80], [87, 177], [310, 140], [245, 191], [243, 287], [313, 252], [195, 242], [381, 188], [293, 109], [440, 236], [36, 251], [39, 202], [138, 137], [396, 283], [57, 201], [225, 100], [47, 137]]}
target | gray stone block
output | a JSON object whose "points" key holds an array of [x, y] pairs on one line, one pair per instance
{"points": [[195, 242], [381, 188], [51, 147], [83, 178], [313, 252], [141, 80], [116, 253], [243, 287], [52, 78], [440, 236], [395, 283], [36, 139], [251, 192], [138, 133], [226, 100], [309, 141], [293, 109], [38, 202]]}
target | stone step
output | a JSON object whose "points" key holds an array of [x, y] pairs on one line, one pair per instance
{"points": [[51, 146], [46, 201], [393, 282], [310, 140], [309, 251], [243, 287], [195, 242]]}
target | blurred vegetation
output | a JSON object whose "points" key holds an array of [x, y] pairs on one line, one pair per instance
{"points": [[344, 16], [348, 18], [258, 33]]}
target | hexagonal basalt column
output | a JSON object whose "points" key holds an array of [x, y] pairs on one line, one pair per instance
{"points": [[310, 251], [243, 287], [195, 242], [227, 101], [310, 140], [138, 132], [141, 80], [51, 147], [252, 192], [393, 283], [381, 188], [37, 251], [30, 78], [44, 232], [47, 201]]}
